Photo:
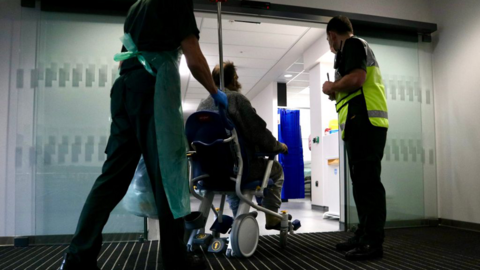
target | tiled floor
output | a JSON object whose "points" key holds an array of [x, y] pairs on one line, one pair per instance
{"points": [[312, 220]]}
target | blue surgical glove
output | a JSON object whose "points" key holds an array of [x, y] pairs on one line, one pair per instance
{"points": [[220, 99]]}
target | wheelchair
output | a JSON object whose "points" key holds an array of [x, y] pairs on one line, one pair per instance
{"points": [[218, 165]]}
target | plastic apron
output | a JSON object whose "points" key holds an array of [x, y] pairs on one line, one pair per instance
{"points": [[168, 115]]}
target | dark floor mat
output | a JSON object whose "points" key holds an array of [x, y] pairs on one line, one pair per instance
{"points": [[417, 248]]}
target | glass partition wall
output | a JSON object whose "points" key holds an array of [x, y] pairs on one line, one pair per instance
{"points": [[75, 70], [59, 122], [408, 165]]}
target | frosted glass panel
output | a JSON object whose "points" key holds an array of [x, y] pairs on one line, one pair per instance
{"points": [[405, 156], [75, 70]]}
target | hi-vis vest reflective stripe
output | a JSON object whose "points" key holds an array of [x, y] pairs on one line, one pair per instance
{"points": [[373, 92]]}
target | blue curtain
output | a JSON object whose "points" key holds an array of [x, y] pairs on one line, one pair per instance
{"points": [[289, 133]]}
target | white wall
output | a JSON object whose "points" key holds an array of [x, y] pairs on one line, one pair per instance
{"points": [[457, 95], [418, 10], [31, 46], [316, 130], [321, 112], [266, 105]]}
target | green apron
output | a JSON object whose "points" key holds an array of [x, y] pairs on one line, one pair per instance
{"points": [[169, 127]]}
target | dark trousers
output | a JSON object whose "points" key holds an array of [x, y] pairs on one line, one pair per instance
{"points": [[365, 144], [132, 134]]}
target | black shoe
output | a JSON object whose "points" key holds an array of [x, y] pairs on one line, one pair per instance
{"points": [[350, 244], [69, 263], [365, 252]]}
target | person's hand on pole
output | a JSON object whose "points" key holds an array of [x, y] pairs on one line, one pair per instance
{"points": [[220, 99]]}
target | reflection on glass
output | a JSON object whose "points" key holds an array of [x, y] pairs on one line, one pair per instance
{"points": [[405, 156], [75, 73]]}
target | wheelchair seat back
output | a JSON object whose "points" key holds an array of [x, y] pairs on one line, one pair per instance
{"points": [[206, 134]]}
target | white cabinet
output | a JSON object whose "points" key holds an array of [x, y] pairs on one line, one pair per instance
{"points": [[331, 175]]}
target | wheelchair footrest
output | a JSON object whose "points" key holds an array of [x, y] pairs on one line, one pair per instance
{"points": [[296, 224], [203, 239], [223, 227], [218, 245]]}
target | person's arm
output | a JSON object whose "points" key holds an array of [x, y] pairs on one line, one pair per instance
{"points": [[350, 82], [197, 63], [253, 127], [355, 58]]}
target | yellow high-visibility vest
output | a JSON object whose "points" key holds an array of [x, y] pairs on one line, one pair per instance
{"points": [[372, 90]]}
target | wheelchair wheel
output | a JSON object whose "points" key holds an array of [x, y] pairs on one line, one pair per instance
{"points": [[230, 253], [283, 238], [244, 236]]}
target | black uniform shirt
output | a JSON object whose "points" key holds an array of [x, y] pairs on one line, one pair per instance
{"points": [[159, 25], [353, 56]]}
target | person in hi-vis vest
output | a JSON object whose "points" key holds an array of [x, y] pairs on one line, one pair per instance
{"points": [[363, 120]]}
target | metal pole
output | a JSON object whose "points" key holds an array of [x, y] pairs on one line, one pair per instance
{"points": [[145, 229], [220, 45]]}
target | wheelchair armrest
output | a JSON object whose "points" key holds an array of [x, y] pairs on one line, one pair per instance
{"points": [[218, 141], [271, 156]]}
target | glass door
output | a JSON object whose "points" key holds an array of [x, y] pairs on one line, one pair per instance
{"points": [[408, 160], [75, 70]]}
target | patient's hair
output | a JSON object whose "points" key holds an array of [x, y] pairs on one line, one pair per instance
{"points": [[340, 25], [229, 74]]}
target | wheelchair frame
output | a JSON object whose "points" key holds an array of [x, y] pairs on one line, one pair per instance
{"points": [[234, 244]]}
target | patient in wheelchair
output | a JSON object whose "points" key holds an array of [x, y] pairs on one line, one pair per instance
{"points": [[257, 138]]}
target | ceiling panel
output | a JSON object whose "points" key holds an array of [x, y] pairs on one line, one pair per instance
{"points": [[303, 77], [196, 89], [254, 48], [196, 95], [250, 39], [251, 72], [298, 77], [244, 62], [246, 87], [244, 80], [249, 79], [298, 84], [295, 68], [251, 27], [210, 49]]}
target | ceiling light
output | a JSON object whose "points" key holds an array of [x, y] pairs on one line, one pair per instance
{"points": [[288, 75]]}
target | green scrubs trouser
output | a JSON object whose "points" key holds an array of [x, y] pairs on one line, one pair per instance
{"points": [[132, 134]]}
